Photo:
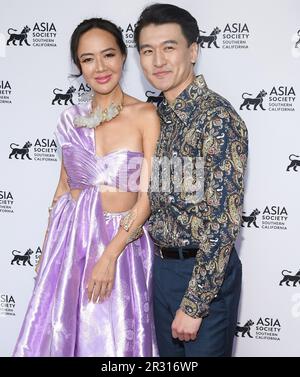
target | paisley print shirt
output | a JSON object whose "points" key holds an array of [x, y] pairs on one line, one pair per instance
{"points": [[201, 123]]}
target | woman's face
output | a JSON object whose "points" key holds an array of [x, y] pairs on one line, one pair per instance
{"points": [[101, 60], [166, 58]]}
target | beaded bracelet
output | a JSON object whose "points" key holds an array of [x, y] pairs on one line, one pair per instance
{"points": [[128, 219], [126, 223]]}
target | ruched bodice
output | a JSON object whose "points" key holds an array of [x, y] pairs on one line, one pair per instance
{"points": [[119, 169]]}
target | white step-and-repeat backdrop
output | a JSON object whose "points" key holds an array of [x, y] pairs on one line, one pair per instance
{"points": [[253, 61]]}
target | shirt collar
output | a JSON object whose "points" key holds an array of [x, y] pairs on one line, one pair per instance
{"points": [[184, 104]]}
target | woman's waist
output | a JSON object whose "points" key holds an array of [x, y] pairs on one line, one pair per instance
{"points": [[104, 185], [112, 200], [117, 202]]}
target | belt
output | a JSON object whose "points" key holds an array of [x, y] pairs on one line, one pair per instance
{"points": [[176, 252]]}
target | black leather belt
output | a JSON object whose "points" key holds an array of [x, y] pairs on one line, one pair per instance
{"points": [[176, 252]]}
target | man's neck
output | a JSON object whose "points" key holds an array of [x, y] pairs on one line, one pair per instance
{"points": [[171, 95]]}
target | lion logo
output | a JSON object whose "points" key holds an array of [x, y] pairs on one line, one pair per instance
{"points": [[290, 278], [251, 219], [209, 39], [22, 151], [22, 258], [67, 97], [244, 329], [294, 163], [154, 99], [22, 37], [257, 101]]}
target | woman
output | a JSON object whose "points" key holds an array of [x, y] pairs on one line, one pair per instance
{"points": [[93, 289]]}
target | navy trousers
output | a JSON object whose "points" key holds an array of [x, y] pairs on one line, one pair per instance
{"points": [[215, 336]]}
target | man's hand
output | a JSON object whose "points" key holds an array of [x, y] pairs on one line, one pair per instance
{"points": [[185, 327]]}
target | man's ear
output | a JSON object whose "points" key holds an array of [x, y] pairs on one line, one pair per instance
{"points": [[194, 49]]}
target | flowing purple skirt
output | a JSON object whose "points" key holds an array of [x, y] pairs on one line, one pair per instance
{"points": [[59, 320]]}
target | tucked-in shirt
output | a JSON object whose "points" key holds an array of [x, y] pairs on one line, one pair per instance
{"points": [[201, 123]]}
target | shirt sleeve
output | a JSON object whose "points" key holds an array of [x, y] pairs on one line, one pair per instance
{"points": [[218, 217]]}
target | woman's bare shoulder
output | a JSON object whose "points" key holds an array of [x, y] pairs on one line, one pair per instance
{"points": [[142, 114], [134, 104]]}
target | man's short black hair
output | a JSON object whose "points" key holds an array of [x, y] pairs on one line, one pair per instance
{"points": [[159, 14]]}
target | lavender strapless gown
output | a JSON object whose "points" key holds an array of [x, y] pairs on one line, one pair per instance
{"points": [[59, 320]]}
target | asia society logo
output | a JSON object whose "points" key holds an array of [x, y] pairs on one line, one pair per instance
{"points": [[27, 258], [43, 150], [5, 91], [210, 39], [265, 328], [232, 36], [23, 258], [42, 34], [68, 96], [288, 278], [17, 39], [20, 152], [128, 34], [256, 101], [279, 98], [294, 162], [7, 305], [250, 219], [6, 202], [272, 217], [244, 329]]}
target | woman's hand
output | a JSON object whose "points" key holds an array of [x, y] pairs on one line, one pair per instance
{"points": [[101, 282]]}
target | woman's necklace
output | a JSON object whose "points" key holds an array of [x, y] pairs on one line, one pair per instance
{"points": [[99, 116]]}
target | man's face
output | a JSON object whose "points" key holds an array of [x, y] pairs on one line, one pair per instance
{"points": [[166, 59]]}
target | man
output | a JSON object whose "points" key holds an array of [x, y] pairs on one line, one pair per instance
{"points": [[197, 273]]}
